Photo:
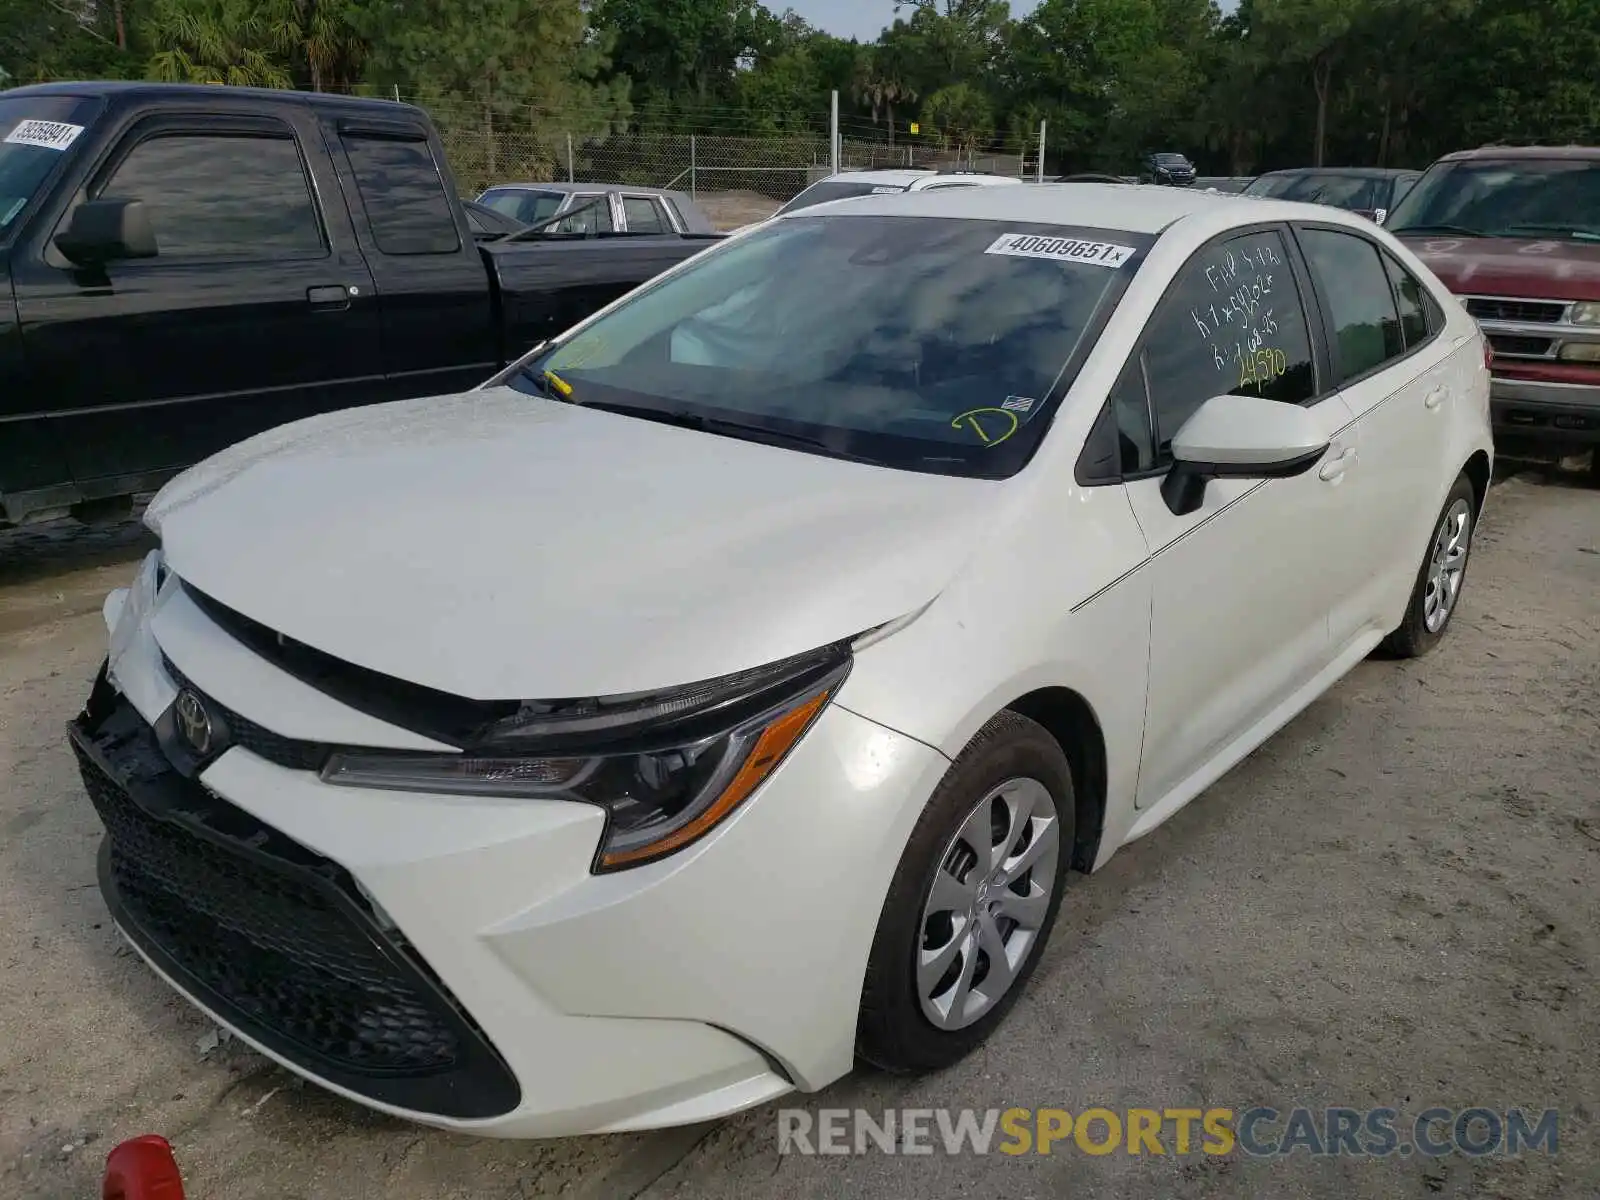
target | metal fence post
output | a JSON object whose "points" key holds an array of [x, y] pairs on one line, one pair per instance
{"points": [[570, 167], [833, 134], [693, 182], [1039, 177]]}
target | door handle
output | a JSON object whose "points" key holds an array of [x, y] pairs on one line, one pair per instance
{"points": [[1437, 397], [1336, 467], [331, 298]]}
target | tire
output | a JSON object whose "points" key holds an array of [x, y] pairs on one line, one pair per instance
{"points": [[1594, 468], [1435, 596], [1012, 768]]}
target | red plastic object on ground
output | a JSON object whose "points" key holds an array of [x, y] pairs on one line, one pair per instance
{"points": [[142, 1168]]}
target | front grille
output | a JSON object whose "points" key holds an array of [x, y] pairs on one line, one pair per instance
{"points": [[273, 938], [1488, 308], [258, 739], [1517, 346]]}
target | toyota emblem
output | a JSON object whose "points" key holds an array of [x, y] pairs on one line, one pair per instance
{"points": [[194, 723]]}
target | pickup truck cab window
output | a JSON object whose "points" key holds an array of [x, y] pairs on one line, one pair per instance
{"points": [[221, 196], [404, 197], [643, 215]]}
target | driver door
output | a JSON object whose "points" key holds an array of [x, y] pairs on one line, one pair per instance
{"points": [[1243, 587]]}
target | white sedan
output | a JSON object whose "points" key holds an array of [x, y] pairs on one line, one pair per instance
{"points": [[725, 692]]}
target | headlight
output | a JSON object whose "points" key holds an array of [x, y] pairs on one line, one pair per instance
{"points": [[667, 767], [1586, 312]]}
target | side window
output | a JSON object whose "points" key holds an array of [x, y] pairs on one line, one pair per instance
{"points": [[1130, 404], [1232, 323], [1408, 299], [402, 194], [221, 196], [644, 215], [1352, 279], [596, 218]]}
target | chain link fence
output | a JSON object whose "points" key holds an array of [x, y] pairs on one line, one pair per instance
{"points": [[736, 177]]}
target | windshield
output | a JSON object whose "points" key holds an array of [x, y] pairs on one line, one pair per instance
{"points": [[36, 135], [1523, 197], [837, 189], [521, 204], [921, 343], [1357, 193], [1172, 160]]}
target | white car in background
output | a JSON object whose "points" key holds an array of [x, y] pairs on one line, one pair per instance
{"points": [[846, 185], [723, 693]]}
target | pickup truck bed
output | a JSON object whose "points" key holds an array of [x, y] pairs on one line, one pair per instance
{"points": [[310, 252]]}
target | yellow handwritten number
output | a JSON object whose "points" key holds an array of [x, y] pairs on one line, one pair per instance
{"points": [[996, 426]]}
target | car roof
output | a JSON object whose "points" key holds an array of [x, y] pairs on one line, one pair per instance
{"points": [[1091, 205], [1580, 153], [902, 176], [564, 186], [139, 88], [1350, 172], [963, 178]]}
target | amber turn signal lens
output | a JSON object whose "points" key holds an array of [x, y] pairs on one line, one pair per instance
{"points": [[775, 741]]}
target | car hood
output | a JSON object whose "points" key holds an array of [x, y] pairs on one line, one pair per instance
{"points": [[1526, 268], [496, 546]]}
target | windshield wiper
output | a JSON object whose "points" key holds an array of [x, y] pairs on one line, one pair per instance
{"points": [[1462, 230], [766, 435], [1581, 235]]}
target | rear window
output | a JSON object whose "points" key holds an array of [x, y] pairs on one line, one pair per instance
{"points": [[523, 204], [821, 193], [922, 343], [403, 195]]}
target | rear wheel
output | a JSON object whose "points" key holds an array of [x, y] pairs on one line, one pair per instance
{"points": [[1437, 591], [972, 902]]}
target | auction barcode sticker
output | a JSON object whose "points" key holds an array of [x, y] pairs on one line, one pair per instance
{"points": [[50, 135], [1033, 245]]}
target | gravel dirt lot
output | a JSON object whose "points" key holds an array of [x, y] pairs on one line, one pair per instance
{"points": [[1394, 902]]}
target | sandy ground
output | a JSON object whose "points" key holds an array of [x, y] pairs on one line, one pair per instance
{"points": [[729, 210], [1394, 902]]}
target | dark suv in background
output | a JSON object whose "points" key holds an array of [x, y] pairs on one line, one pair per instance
{"points": [[1373, 192], [1168, 168]]}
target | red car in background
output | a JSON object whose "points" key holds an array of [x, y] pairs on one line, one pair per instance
{"points": [[1515, 232]]}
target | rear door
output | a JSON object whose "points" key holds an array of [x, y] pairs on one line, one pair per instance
{"points": [[1392, 366], [439, 329], [255, 311]]}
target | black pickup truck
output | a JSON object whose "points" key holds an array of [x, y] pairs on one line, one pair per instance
{"points": [[182, 267]]}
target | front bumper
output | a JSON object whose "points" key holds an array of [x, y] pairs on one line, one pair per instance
{"points": [[452, 959], [1566, 414]]}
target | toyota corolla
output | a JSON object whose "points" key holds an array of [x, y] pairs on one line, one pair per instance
{"points": [[726, 692]]}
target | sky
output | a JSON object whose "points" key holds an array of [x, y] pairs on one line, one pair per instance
{"points": [[865, 19]]}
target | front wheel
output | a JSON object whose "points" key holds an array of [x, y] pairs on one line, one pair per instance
{"points": [[1437, 591], [972, 902]]}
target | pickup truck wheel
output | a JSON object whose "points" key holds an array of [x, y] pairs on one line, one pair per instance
{"points": [[1437, 592], [1594, 468], [972, 902]]}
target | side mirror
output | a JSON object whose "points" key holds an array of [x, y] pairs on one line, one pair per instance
{"points": [[102, 231], [1239, 437]]}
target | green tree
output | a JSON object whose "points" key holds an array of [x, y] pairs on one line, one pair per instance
{"points": [[961, 115]]}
